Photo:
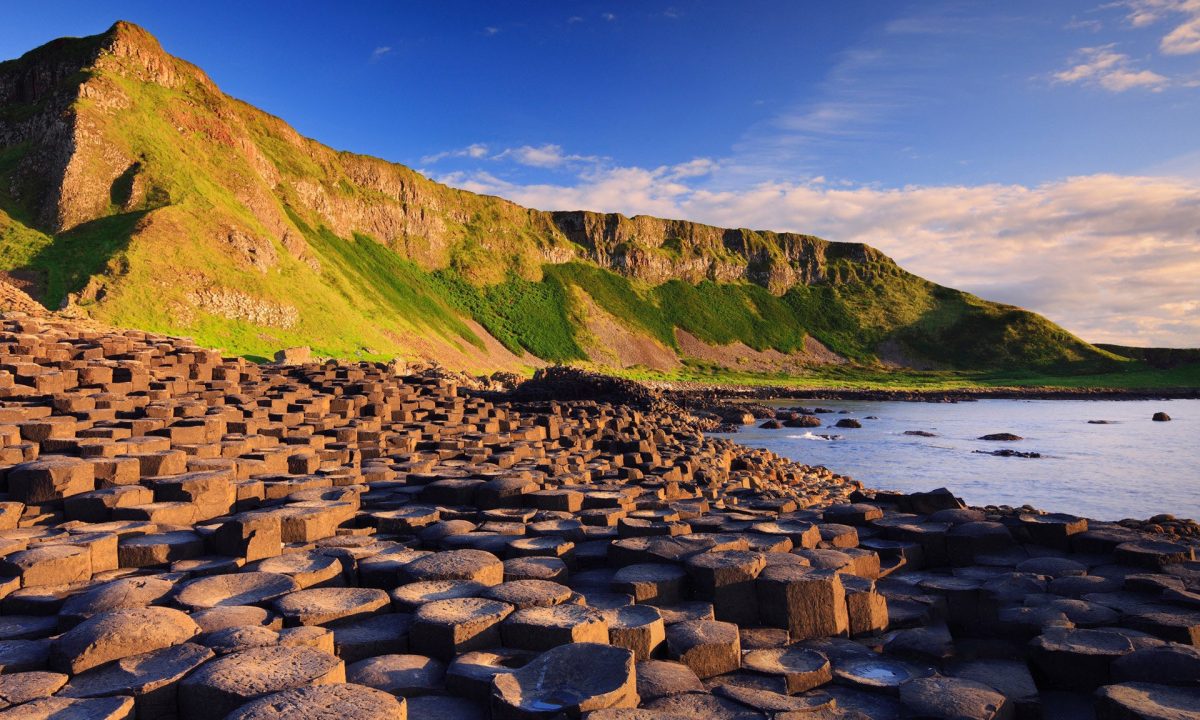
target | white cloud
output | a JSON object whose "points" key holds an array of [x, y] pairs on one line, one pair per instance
{"points": [[1113, 258], [542, 156], [608, 16], [378, 53], [538, 156], [1108, 69], [1184, 38], [477, 151]]}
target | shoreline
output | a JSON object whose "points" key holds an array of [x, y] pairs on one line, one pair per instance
{"points": [[688, 393]]}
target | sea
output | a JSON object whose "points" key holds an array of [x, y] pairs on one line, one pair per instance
{"points": [[1128, 467]]}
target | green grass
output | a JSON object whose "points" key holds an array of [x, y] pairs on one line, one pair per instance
{"points": [[853, 377], [616, 295], [721, 314], [521, 314]]}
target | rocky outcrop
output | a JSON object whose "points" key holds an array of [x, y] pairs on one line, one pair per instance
{"points": [[237, 305]]}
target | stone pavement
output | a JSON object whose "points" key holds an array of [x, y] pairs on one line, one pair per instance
{"points": [[187, 536]]}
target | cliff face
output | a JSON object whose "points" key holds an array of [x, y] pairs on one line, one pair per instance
{"points": [[71, 91], [127, 174]]}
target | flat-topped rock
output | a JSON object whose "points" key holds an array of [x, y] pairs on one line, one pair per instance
{"points": [[151, 678], [571, 679], [341, 701], [1147, 701], [523, 594], [320, 606], [404, 675], [445, 628], [654, 583], [474, 565], [221, 686], [383, 634], [244, 588], [118, 634], [954, 699], [133, 592], [107, 708], [410, 597], [21, 687], [801, 669], [541, 628], [708, 647]]}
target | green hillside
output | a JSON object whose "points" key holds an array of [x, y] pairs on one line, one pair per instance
{"points": [[135, 191]]}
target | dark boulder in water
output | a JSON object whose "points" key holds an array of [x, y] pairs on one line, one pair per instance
{"points": [[1009, 453], [920, 433], [1001, 437], [1100, 422], [1161, 417], [803, 421], [848, 423], [771, 425]]}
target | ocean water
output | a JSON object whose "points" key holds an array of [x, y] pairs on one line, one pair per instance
{"points": [[1130, 468]]}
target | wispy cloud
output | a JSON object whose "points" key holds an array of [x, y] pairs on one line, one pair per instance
{"points": [[547, 156], [608, 16], [476, 151], [1105, 67], [542, 156], [1184, 37], [1086, 24], [1114, 258], [380, 52], [491, 30]]}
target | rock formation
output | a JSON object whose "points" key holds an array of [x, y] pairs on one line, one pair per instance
{"points": [[187, 535]]}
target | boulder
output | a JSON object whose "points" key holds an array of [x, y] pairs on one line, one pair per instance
{"points": [[119, 634], [569, 679], [152, 678], [221, 686], [338, 701]]}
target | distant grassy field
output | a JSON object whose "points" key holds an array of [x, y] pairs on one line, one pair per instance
{"points": [[1137, 377]]}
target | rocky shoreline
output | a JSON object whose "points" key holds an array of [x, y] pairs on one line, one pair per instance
{"points": [[189, 536], [697, 394]]}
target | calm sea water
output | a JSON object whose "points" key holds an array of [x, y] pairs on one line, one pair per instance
{"points": [[1132, 467]]}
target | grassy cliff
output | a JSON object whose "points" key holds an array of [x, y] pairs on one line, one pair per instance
{"points": [[134, 190]]}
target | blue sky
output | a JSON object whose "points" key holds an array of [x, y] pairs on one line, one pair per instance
{"points": [[983, 144]]}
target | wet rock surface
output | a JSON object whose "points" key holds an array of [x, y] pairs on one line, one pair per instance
{"points": [[187, 536]]}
